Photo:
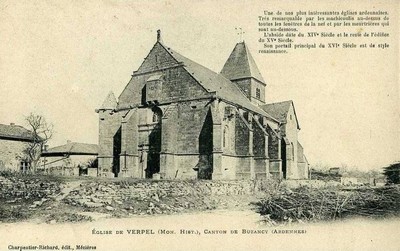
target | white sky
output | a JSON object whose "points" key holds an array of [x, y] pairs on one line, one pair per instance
{"points": [[61, 60]]}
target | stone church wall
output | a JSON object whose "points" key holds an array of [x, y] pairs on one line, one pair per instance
{"points": [[157, 58], [290, 130], [275, 167], [273, 144], [242, 135], [260, 150], [261, 167], [257, 85], [185, 165], [229, 165], [154, 65], [129, 166], [303, 170], [191, 119], [109, 125], [274, 153]]}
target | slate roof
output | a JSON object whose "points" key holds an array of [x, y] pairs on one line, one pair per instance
{"points": [[73, 148], [215, 82], [280, 110], [16, 132], [110, 102], [241, 64]]}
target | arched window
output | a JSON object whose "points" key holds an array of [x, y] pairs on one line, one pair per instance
{"points": [[156, 118], [292, 150], [156, 115], [225, 140], [258, 93]]}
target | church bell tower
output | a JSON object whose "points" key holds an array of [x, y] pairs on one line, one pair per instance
{"points": [[241, 69]]}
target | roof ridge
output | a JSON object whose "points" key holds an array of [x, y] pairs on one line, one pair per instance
{"points": [[279, 102]]}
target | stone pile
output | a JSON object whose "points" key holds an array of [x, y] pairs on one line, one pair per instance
{"points": [[150, 197], [12, 188]]}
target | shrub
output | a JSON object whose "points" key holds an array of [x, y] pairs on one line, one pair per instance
{"points": [[392, 173]]}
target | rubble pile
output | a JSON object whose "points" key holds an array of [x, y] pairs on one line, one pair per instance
{"points": [[161, 197], [21, 196], [16, 188]]}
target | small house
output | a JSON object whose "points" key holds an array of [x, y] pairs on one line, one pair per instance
{"points": [[14, 140], [71, 159]]}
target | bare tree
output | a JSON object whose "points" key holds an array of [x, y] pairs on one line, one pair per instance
{"points": [[41, 134]]}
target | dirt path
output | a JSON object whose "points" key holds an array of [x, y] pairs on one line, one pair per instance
{"points": [[68, 187]]}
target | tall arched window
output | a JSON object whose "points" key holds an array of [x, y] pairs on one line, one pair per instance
{"points": [[292, 150], [225, 142]]}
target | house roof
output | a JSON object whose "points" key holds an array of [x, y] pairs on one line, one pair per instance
{"points": [[280, 110], [16, 132], [215, 82], [72, 148], [241, 64]]}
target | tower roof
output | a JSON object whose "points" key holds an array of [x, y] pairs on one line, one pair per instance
{"points": [[110, 103], [241, 64]]}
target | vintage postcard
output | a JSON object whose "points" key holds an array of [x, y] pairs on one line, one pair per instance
{"points": [[199, 125]]}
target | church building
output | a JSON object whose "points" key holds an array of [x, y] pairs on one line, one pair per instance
{"points": [[177, 119]]}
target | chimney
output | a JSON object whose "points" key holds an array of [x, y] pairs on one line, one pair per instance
{"points": [[68, 141], [159, 36], [12, 124], [45, 148]]}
